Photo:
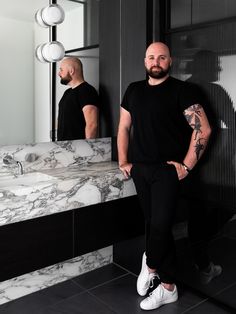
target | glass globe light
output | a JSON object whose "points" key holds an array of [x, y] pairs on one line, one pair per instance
{"points": [[50, 52], [50, 16]]}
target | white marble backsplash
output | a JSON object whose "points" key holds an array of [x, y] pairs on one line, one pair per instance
{"points": [[52, 155]]}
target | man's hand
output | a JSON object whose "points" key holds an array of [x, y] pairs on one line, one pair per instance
{"points": [[180, 169], [125, 168]]}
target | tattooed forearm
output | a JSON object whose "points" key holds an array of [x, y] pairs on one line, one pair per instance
{"points": [[197, 120], [199, 147], [196, 126], [193, 115]]}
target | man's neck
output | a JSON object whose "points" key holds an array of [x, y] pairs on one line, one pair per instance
{"points": [[157, 81], [74, 84]]}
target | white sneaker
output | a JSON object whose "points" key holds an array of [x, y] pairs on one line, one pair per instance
{"points": [[145, 278], [159, 297]]}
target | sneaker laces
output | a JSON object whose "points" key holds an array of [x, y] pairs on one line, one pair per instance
{"points": [[150, 281]]}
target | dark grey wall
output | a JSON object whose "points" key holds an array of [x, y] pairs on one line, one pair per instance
{"points": [[122, 43], [91, 32]]}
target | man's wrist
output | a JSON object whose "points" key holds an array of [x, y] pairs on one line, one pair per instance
{"points": [[186, 167], [121, 163]]}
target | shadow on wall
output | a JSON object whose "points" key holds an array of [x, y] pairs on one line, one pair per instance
{"points": [[210, 189], [218, 166]]}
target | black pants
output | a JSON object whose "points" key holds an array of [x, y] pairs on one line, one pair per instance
{"points": [[157, 188]]}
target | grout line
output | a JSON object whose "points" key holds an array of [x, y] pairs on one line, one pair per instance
{"points": [[106, 282], [102, 302], [224, 289], [128, 271], [194, 306]]}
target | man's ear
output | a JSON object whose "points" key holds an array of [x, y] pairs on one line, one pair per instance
{"points": [[71, 70], [170, 61]]}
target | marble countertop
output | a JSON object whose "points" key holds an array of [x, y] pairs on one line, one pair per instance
{"points": [[72, 187]]}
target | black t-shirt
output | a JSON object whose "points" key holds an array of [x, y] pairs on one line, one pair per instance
{"points": [[71, 122], [160, 130]]}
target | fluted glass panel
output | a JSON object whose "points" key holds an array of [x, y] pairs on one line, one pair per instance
{"points": [[205, 11], [188, 12], [180, 13], [208, 57]]}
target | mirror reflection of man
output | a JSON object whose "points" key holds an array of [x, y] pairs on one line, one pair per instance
{"points": [[79, 105]]}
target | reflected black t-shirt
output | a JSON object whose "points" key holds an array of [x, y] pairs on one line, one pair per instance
{"points": [[160, 130], [71, 122]]}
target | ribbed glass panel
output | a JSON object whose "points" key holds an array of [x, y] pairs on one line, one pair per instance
{"points": [[210, 10], [208, 57], [180, 13], [188, 12]]}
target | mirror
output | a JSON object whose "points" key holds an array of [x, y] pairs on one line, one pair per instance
{"points": [[24, 89], [17, 64]]}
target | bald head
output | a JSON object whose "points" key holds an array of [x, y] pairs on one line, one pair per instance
{"points": [[157, 60], [71, 71], [73, 63], [158, 47]]}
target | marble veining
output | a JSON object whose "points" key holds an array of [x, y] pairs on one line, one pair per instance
{"points": [[43, 278], [82, 171], [83, 174], [73, 187], [52, 155]]}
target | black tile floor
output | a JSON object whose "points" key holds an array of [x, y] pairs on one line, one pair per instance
{"points": [[107, 290]]}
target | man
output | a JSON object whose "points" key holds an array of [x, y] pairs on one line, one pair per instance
{"points": [[79, 105], [170, 132]]}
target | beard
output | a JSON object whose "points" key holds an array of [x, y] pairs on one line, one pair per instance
{"points": [[65, 80], [157, 74]]}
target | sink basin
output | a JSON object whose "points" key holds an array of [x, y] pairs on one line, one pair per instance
{"points": [[28, 179]]}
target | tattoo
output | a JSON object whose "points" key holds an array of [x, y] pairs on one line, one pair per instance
{"points": [[196, 109], [192, 115], [199, 147]]}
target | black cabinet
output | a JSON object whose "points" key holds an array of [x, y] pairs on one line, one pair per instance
{"points": [[33, 244], [104, 224]]}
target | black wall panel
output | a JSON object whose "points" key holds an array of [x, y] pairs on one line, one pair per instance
{"points": [[122, 43]]}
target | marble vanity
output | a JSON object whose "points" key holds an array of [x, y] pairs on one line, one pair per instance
{"points": [[77, 174], [68, 203]]}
